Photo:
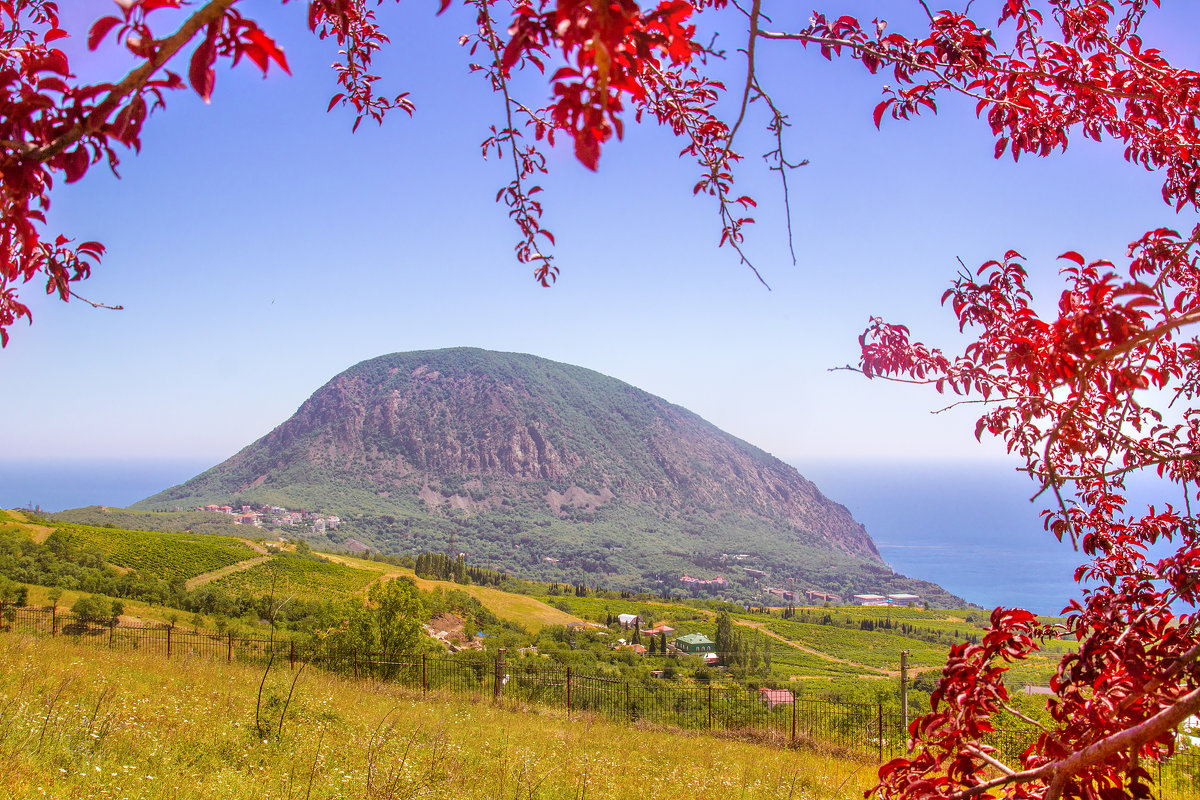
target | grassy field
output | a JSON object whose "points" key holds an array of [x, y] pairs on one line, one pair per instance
{"points": [[77, 723]]}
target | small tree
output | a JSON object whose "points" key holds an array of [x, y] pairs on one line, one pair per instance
{"points": [[91, 610]]}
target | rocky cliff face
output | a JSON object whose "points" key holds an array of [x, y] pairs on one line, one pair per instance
{"points": [[478, 430]]}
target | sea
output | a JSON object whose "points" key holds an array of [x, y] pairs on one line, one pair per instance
{"points": [[968, 526]]}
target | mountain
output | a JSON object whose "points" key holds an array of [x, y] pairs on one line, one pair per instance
{"points": [[547, 470]]}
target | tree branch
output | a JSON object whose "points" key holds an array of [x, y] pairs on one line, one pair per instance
{"points": [[135, 80]]}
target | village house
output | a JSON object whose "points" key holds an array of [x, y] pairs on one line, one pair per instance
{"points": [[695, 583], [695, 643], [814, 596], [871, 599], [627, 620]]}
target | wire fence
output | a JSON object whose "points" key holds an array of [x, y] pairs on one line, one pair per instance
{"points": [[779, 717]]}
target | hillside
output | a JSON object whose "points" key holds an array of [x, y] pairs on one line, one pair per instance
{"points": [[545, 470], [228, 584]]}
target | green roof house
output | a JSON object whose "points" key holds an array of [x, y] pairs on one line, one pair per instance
{"points": [[695, 643]]}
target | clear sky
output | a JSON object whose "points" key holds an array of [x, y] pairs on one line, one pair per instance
{"points": [[259, 249]]}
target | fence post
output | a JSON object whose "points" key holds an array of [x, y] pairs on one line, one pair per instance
{"points": [[424, 675], [568, 691], [292, 655], [112, 627], [356, 663], [793, 739], [168, 642], [628, 707], [498, 683], [3, 626], [53, 621], [710, 705], [880, 727], [904, 685], [229, 649]]}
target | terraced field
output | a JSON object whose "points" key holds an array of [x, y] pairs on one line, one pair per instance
{"points": [[164, 555], [876, 649], [304, 577]]}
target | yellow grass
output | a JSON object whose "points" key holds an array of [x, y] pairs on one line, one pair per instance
{"points": [[76, 722], [525, 611]]}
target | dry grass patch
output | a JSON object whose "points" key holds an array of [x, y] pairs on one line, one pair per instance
{"points": [[76, 723]]}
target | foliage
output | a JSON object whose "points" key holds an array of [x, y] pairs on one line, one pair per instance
{"points": [[60, 561], [1102, 388], [442, 567], [91, 609], [390, 624]]}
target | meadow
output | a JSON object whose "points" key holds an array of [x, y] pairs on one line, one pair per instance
{"points": [[80, 723]]}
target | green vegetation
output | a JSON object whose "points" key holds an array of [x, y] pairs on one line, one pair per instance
{"points": [[304, 577], [166, 556], [160, 521]]}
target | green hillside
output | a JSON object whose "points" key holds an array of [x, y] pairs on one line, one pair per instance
{"points": [[169, 556], [548, 471]]}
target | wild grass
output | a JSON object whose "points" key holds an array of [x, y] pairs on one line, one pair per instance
{"points": [[78, 723]]}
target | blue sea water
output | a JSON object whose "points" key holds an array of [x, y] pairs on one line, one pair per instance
{"points": [[968, 526], [55, 485]]}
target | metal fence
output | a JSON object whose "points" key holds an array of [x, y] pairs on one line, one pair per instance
{"points": [[857, 729]]}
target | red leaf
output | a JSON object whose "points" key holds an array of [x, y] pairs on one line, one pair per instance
{"points": [[54, 33], [879, 109], [54, 61], [512, 52], [151, 5], [200, 73], [587, 149], [268, 49], [75, 164], [1071, 255], [99, 30]]}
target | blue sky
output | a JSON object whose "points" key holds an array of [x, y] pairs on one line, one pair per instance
{"points": [[259, 248]]}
